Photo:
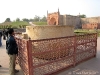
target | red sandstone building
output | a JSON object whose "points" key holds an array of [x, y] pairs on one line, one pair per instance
{"points": [[56, 18], [91, 26]]}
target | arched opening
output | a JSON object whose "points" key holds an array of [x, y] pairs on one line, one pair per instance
{"points": [[52, 21]]}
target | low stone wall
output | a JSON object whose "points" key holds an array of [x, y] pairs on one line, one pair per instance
{"points": [[44, 32]]}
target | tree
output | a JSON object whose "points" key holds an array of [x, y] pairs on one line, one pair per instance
{"points": [[17, 19], [44, 19], [7, 20], [31, 20], [25, 20], [82, 16], [36, 18]]}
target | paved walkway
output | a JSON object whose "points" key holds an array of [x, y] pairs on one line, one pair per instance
{"points": [[90, 67]]}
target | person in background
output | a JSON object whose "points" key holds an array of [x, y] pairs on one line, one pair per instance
{"points": [[4, 34], [7, 32], [0, 38], [0, 41], [12, 51]]}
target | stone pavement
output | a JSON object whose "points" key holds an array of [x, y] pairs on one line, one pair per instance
{"points": [[90, 67]]}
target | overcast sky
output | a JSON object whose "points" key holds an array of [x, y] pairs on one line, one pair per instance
{"points": [[29, 8]]}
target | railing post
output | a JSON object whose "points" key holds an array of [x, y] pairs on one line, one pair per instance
{"points": [[96, 44], [30, 60], [74, 56]]}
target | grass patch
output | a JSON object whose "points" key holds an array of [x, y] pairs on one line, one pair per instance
{"points": [[19, 24], [40, 23], [85, 31]]}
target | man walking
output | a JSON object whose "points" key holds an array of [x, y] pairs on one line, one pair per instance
{"points": [[0, 41], [12, 51], [0, 38]]}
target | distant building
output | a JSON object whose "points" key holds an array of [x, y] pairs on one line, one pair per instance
{"points": [[86, 23], [57, 19], [91, 26]]}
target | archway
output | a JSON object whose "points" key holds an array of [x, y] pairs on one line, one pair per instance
{"points": [[52, 21]]}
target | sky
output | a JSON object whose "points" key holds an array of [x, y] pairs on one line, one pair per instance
{"points": [[29, 8]]}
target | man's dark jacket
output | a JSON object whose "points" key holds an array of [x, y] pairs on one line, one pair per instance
{"points": [[0, 34], [11, 45]]}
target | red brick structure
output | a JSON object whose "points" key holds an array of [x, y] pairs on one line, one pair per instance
{"points": [[53, 18], [57, 19], [91, 26], [77, 48]]}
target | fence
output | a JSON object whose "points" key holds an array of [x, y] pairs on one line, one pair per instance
{"points": [[46, 56]]}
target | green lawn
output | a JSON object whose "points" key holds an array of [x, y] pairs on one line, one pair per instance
{"points": [[19, 24], [40, 23], [85, 31]]}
